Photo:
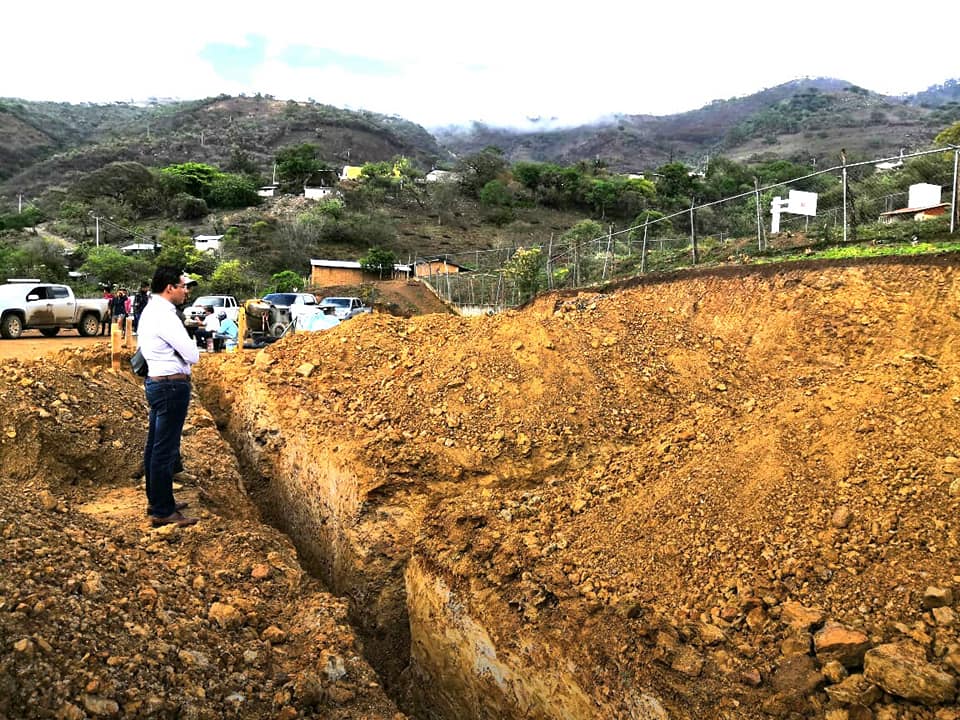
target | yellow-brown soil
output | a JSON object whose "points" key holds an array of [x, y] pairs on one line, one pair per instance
{"points": [[701, 496]]}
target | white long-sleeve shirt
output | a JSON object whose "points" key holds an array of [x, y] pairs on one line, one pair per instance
{"points": [[164, 341]]}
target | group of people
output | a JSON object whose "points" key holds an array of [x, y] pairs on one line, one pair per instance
{"points": [[120, 305], [219, 328]]}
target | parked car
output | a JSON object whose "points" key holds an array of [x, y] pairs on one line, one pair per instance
{"points": [[193, 315], [47, 307], [345, 308]]}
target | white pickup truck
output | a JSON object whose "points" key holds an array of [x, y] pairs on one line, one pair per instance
{"points": [[47, 307], [194, 314]]}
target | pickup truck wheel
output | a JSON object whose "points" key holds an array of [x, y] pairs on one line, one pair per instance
{"points": [[11, 327], [49, 332], [89, 325]]}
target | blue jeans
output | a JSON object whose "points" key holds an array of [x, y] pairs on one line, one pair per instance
{"points": [[168, 400]]}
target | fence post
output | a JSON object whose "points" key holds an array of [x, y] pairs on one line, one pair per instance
{"points": [[843, 161], [643, 251], [953, 196], [693, 233], [549, 268], [607, 255], [756, 189]]}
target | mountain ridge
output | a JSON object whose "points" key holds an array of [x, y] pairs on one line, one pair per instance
{"points": [[44, 144]]}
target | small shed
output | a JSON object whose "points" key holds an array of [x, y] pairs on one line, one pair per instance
{"points": [[425, 267], [267, 191], [915, 213]]}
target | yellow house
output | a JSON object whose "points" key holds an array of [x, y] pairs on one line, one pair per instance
{"points": [[351, 172]]}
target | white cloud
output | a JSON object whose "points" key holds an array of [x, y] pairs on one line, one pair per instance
{"points": [[501, 61]]}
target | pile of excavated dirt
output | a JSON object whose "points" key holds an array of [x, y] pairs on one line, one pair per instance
{"points": [[729, 494], [102, 616]]}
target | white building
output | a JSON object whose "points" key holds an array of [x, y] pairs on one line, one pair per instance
{"points": [[207, 243], [318, 193], [139, 248]]}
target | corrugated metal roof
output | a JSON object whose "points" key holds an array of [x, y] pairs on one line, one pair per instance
{"points": [[350, 264]]}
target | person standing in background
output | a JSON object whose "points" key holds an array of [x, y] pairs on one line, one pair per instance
{"points": [[170, 353], [140, 301], [105, 320], [118, 308]]}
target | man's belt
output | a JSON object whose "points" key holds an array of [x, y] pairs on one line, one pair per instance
{"points": [[175, 376]]}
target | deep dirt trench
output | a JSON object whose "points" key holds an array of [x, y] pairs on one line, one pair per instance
{"points": [[703, 496], [368, 579]]}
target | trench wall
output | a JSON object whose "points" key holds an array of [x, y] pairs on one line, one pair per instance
{"points": [[433, 656]]}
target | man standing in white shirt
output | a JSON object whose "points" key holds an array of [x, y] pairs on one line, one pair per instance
{"points": [[169, 353]]}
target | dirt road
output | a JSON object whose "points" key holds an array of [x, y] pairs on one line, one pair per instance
{"points": [[32, 344]]}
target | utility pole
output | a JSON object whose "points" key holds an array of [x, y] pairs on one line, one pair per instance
{"points": [[97, 219], [19, 203]]}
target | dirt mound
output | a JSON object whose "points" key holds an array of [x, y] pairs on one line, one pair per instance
{"points": [[681, 493], [101, 616]]}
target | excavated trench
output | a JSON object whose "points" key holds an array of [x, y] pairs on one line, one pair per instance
{"points": [[434, 660]]}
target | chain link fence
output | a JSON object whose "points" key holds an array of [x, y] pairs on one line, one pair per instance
{"points": [[856, 202]]}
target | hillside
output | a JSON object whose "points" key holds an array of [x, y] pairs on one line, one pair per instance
{"points": [[50, 144], [44, 144], [799, 120]]}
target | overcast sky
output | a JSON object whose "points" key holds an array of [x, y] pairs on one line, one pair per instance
{"points": [[439, 62]]}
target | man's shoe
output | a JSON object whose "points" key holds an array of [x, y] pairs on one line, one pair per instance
{"points": [[175, 519], [177, 507], [184, 476]]}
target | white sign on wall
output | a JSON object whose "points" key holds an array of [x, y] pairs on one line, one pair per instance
{"points": [[797, 203], [802, 203]]}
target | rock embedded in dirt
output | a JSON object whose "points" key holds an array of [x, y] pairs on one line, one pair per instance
{"points": [[934, 597], [901, 669], [836, 642]]}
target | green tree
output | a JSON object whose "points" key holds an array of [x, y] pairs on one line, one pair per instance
{"points": [[478, 169], [232, 191], [601, 194], [496, 194], [380, 261], [525, 267], [950, 136], [299, 165], [180, 251], [286, 281], [29, 218], [233, 277], [578, 239], [109, 265], [529, 174], [192, 178], [184, 206], [123, 182]]}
